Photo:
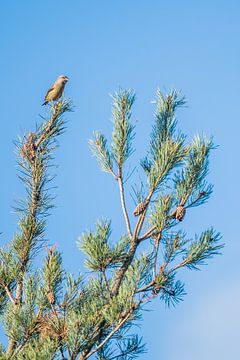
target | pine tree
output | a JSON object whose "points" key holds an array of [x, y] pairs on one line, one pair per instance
{"points": [[50, 314]]}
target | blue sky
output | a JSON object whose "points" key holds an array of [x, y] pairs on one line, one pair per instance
{"points": [[101, 45]]}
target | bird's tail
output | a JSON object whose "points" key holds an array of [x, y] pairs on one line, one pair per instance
{"points": [[45, 103]]}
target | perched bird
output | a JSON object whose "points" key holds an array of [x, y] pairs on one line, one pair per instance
{"points": [[55, 92]]}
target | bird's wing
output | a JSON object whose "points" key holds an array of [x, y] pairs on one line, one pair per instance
{"points": [[50, 90]]}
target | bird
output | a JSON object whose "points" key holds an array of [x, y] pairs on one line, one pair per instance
{"points": [[56, 90]]}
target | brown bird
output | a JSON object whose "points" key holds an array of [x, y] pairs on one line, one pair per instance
{"points": [[56, 91]]}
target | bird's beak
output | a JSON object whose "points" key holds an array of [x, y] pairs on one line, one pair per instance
{"points": [[66, 78]]}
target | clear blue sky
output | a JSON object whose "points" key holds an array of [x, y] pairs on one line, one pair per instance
{"points": [[101, 45]]}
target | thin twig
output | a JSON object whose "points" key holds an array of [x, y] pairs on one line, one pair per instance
{"points": [[146, 287], [157, 240], [147, 234], [11, 297], [142, 217], [123, 203], [109, 335], [134, 244], [21, 346], [123, 354], [181, 264], [194, 201]]}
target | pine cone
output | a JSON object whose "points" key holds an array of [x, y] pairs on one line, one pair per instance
{"points": [[29, 148], [47, 329], [51, 297], [180, 213], [139, 208]]}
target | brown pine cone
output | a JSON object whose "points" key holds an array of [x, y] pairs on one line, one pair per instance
{"points": [[51, 297], [139, 208], [180, 213], [29, 148]]}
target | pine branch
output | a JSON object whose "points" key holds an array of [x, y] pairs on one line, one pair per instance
{"points": [[122, 141], [153, 186], [52, 276], [191, 180], [203, 248], [35, 153], [167, 150], [123, 133], [99, 149]]}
